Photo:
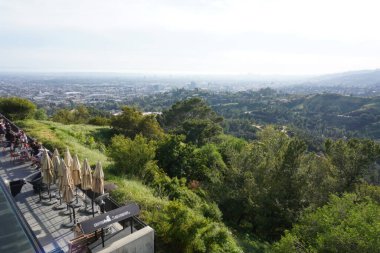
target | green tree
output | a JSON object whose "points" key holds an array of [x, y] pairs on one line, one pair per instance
{"points": [[81, 114], [270, 183], [132, 122], [16, 108], [131, 156], [320, 179], [182, 230], [193, 118], [347, 224], [207, 165], [352, 160], [40, 114], [174, 156], [63, 116], [200, 131]]}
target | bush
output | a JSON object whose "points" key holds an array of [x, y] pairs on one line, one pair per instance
{"points": [[131, 156], [180, 229], [16, 108], [99, 121]]}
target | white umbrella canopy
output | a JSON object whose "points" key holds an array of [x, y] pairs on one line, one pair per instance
{"points": [[67, 185], [98, 179], [56, 153], [76, 171], [86, 176], [65, 170], [47, 168], [68, 158], [56, 166]]}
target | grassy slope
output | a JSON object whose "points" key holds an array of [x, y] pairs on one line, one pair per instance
{"points": [[59, 135], [56, 135]]}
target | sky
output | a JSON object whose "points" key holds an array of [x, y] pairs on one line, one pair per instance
{"points": [[292, 37]]}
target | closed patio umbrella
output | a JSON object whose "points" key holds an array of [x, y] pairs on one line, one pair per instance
{"points": [[68, 158], [67, 189], [58, 176], [77, 176], [67, 185], [47, 170], [98, 179], [97, 182], [56, 161], [76, 171], [86, 176], [86, 179]]}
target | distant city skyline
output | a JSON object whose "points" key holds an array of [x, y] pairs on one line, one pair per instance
{"points": [[223, 37]]}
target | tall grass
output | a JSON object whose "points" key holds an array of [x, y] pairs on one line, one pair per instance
{"points": [[75, 137]]}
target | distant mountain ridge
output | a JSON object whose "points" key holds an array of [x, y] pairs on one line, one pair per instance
{"points": [[351, 78]]}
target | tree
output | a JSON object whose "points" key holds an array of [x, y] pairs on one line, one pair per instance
{"points": [[40, 114], [199, 131], [320, 179], [207, 165], [193, 118], [346, 224], [181, 229], [352, 159], [270, 184], [132, 122], [174, 156], [16, 108], [81, 114], [63, 116], [131, 156]]}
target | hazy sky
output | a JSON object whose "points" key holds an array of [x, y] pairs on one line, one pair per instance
{"points": [[190, 36]]}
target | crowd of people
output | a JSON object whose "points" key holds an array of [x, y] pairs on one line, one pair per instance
{"points": [[19, 143]]}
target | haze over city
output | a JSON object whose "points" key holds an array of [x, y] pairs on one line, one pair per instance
{"points": [[189, 37]]}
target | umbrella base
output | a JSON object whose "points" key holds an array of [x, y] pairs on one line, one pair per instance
{"points": [[64, 213], [69, 225], [52, 195], [49, 203], [86, 211], [76, 205], [59, 207]]}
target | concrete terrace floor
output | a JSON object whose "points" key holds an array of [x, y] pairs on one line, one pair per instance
{"points": [[45, 222]]}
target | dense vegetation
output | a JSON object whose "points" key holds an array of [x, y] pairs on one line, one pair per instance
{"points": [[313, 116], [206, 191]]}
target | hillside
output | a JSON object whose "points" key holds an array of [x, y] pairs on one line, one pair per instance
{"points": [[319, 115], [157, 204], [85, 140], [204, 191]]}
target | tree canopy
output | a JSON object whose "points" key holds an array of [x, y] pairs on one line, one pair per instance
{"points": [[132, 122], [16, 108], [193, 118]]}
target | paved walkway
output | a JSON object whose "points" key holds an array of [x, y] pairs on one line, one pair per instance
{"points": [[45, 222]]}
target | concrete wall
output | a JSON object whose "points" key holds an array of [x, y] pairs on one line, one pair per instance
{"points": [[141, 241]]}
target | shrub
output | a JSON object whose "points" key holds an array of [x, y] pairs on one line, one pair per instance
{"points": [[16, 108]]}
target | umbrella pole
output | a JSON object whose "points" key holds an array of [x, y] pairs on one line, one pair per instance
{"points": [[92, 203], [103, 237], [70, 213], [85, 201], [49, 192], [85, 196], [76, 193], [75, 222], [39, 192]]}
